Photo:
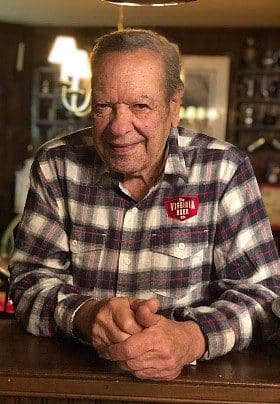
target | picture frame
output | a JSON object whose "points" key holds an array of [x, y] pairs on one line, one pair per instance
{"points": [[271, 196], [205, 100]]}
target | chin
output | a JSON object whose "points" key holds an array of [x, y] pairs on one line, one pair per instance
{"points": [[126, 167]]}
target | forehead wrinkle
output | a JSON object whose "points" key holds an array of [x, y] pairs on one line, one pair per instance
{"points": [[120, 75]]}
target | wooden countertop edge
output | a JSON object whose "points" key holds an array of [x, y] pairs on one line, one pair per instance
{"points": [[123, 389]]}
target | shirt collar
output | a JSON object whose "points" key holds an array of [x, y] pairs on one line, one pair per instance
{"points": [[175, 164]]}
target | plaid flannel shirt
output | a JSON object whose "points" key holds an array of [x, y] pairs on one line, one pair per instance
{"points": [[82, 236]]}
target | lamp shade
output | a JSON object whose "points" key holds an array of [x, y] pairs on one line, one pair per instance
{"points": [[77, 66], [148, 2], [63, 48]]}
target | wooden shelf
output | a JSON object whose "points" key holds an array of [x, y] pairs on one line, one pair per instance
{"points": [[259, 72], [257, 128], [259, 100]]}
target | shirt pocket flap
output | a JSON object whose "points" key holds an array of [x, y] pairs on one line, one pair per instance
{"points": [[84, 239], [179, 243]]}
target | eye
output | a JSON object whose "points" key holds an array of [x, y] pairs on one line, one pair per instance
{"points": [[101, 110], [140, 109]]}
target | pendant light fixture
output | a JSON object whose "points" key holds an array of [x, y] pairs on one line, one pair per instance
{"points": [[148, 2]]}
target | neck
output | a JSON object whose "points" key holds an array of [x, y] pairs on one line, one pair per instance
{"points": [[139, 185]]}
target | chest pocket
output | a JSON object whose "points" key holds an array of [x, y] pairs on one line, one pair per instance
{"points": [[178, 256], [87, 247]]}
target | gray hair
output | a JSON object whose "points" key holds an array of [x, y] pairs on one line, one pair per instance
{"points": [[130, 40]]}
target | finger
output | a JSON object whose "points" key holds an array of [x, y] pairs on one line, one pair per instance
{"points": [[124, 319], [151, 359], [151, 372], [152, 304], [127, 323], [134, 303], [134, 346], [116, 336], [145, 317], [107, 334], [151, 368]]}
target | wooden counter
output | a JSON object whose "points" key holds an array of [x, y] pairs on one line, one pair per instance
{"points": [[41, 370]]}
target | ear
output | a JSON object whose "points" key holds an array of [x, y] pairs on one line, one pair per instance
{"points": [[175, 104]]}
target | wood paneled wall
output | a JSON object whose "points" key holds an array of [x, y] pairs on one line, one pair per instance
{"points": [[15, 87], [14, 112]]}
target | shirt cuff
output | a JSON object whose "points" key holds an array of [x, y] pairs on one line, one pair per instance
{"points": [[220, 339], [66, 310]]}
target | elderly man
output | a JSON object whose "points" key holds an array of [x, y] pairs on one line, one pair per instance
{"points": [[148, 241]]}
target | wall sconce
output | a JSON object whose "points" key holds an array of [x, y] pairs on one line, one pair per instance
{"points": [[75, 75]]}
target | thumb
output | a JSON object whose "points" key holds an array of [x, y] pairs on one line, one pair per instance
{"points": [[152, 304], [145, 314]]}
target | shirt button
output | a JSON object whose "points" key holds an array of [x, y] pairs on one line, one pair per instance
{"points": [[128, 261], [181, 246], [74, 242], [134, 210]]}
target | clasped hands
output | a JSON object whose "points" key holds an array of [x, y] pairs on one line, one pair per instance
{"points": [[130, 332]]}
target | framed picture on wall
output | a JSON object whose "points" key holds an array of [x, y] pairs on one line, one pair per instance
{"points": [[271, 196], [205, 100]]}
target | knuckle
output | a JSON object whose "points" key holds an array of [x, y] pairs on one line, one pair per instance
{"points": [[127, 350], [165, 351], [111, 303], [130, 326]]}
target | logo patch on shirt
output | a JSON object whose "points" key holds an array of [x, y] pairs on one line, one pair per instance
{"points": [[181, 208]]}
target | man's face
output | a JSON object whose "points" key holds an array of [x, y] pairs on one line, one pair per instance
{"points": [[131, 116]]}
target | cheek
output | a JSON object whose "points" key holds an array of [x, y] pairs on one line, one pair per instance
{"points": [[99, 127], [153, 124]]}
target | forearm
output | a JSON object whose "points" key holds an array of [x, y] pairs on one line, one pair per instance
{"points": [[240, 315], [44, 302]]}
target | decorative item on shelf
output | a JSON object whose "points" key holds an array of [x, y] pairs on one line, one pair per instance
{"points": [[256, 144], [262, 141], [274, 88], [264, 84], [249, 83], [273, 172], [269, 59], [247, 115], [275, 143], [45, 87], [269, 119], [249, 53]]}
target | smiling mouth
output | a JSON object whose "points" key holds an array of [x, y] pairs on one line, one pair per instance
{"points": [[123, 148]]}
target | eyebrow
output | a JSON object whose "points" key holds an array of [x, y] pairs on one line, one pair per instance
{"points": [[141, 98]]}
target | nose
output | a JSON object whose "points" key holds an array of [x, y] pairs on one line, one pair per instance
{"points": [[121, 121]]}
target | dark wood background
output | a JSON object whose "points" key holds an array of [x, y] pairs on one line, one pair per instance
{"points": [[15, 87]]}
